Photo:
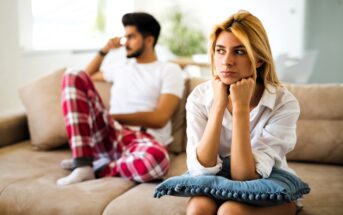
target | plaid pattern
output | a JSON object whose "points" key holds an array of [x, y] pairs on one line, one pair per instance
{"points": [[92, 133]]}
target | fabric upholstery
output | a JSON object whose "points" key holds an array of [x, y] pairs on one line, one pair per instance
{"points": [[179, 124], [319, 141], [42, 99], [326, 182], [319, 101], [139, 200], [28, 177], [13, 128], [320, 126]]}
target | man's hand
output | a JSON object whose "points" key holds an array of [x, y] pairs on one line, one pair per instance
{"points": [[157, 118], [93, 67], [112, 43]]}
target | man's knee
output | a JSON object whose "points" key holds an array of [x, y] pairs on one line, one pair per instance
{"points": [[71, 76], [146, 170]]}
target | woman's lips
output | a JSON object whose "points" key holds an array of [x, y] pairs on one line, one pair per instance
{"points": [[228, 73]]}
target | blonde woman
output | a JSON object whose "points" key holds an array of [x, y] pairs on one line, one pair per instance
{"points": [[243, 113]]}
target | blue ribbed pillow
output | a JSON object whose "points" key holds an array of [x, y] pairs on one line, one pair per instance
{"points": [[279, 188]]}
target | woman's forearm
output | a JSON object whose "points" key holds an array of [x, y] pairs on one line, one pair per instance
{"points": [[242, 160], [208, 148]]}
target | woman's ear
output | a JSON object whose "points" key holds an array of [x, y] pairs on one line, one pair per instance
{"points": [[259, 63]]}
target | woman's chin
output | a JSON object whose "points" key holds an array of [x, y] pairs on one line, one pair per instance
{"points": [[227, 81]]}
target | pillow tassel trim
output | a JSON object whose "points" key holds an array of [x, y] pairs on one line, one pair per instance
{"points": [[279, 188], [223, 194]]}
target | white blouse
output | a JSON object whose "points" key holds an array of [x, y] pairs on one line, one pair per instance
{"points": [[272, 129]]}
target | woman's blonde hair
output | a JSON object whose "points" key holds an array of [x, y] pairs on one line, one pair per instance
{"points": [[250, 31]]}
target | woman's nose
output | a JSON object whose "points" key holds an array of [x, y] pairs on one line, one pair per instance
{"points": [[228, 60]]}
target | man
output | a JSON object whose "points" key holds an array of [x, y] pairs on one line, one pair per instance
{"points": [[130, 140]]}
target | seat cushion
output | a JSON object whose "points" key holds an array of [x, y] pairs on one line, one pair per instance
{"points": [[28, 184], [326, 182], [140, 200]]}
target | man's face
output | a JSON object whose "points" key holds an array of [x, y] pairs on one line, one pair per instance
{"points": [[135, 42]]}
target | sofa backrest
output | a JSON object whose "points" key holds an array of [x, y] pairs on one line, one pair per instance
{"points": [[320, 136], [178, 119], [320, 125]]}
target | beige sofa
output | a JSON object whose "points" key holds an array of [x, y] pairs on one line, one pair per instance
{"points": [[31, 151]]}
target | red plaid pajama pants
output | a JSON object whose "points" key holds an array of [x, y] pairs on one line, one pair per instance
{"points": [[94, 135]]}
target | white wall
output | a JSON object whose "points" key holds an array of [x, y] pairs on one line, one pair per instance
{"points": [[17, 67], [283, 20]]}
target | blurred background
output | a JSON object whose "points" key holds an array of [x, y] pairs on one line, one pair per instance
{"points": [[40, 36]]}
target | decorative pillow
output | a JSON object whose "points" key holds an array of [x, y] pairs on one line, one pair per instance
{"points": [[179, 124], [279, 188], [42, 100]]}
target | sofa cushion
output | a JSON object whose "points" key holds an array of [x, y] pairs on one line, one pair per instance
{"points": [[319, 101], [139, 200], [280, 187], [320, 125], [326, 182], [13, 127], [179, 124], [28, 184], [42, 99], [318, 141]]}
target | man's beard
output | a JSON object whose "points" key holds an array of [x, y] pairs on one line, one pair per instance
{"points": [[136, 53]]}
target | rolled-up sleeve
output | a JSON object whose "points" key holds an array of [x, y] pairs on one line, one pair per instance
{"points": [[196, 123], [278, 137]]}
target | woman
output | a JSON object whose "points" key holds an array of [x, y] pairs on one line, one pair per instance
{"points": [[243, 113]]}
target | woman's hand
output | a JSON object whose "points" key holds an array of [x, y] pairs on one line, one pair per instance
{"points": [[241, 92], [219, 92]]}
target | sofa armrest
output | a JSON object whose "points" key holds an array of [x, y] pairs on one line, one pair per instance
{"points": [[13, 128]]}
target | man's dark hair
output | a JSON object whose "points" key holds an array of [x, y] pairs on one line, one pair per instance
{"points": [[145, 23]]}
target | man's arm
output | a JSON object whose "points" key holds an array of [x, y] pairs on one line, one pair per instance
{"points": [[93, 67], [155, 119]]}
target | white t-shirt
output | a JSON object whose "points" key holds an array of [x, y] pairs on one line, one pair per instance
{"points": [[138, 87], [272, 129]]}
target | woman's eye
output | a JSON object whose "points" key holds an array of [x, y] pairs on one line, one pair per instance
{"points": [[240, 52], [220, 51]]}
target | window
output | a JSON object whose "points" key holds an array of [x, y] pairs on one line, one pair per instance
{"points": [[65, 25]]}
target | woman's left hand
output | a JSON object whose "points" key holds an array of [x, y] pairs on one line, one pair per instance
{"points": [[241, 92]]}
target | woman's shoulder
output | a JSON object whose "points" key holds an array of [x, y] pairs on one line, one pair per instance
{"points": [[285, 98], [202, 93], [202, 87]]}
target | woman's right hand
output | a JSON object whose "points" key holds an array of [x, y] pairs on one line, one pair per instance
{"points": [[219, 92]]}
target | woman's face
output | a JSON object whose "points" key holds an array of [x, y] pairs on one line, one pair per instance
{"points": [[231, 59]]}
